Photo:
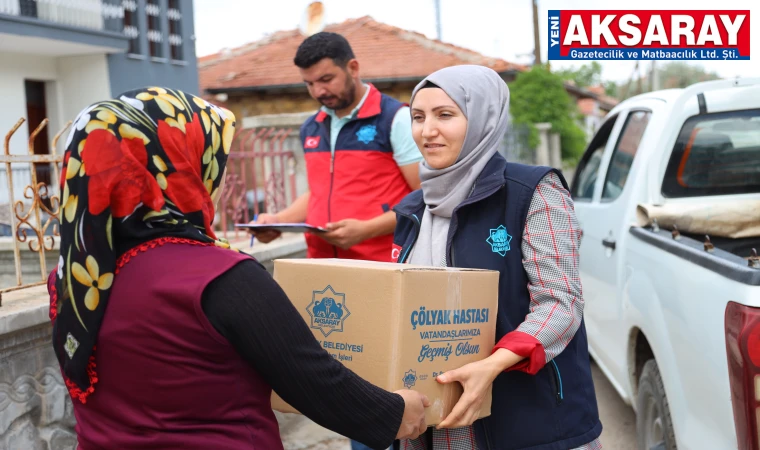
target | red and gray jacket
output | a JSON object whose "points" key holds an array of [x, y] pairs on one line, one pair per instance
{"points": [[360, 180]]}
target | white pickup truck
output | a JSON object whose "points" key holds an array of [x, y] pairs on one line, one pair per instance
{"points": [[673, 322]]}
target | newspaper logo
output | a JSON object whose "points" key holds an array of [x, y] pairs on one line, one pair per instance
{"points": [[328, 310], [649, 35]]}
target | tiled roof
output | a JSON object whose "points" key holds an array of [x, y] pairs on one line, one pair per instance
{"points": [[384, 52], [586, 106]]}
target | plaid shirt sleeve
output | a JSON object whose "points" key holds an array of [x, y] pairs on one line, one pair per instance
{"points": [[550, 245]]}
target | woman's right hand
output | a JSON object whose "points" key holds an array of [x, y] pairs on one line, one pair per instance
{"points": [[268, 236], [413, 423]]}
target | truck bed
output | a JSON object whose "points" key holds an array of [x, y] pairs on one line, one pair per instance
{"points": [[725, 259]]}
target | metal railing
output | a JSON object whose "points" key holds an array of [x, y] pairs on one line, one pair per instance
{"points": [[261, 175], [91, 14], [33, 218], [21, 177]]}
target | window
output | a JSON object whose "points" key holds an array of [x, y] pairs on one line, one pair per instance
{"points": [[625, 152], [588, 168], [28, 8], [155, 35], [130, 25], [715, 154], [175, 30]]}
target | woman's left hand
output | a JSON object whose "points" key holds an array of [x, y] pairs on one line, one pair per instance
{"points": [[476, 378]]}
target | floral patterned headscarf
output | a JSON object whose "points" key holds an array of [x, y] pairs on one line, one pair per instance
{"points": [[136, 168]]}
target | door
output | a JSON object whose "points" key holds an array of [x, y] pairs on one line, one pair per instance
{"points": [[36, 112], [600, 210]]}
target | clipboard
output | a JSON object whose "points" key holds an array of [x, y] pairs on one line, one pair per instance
{"points": [[283, 227]]}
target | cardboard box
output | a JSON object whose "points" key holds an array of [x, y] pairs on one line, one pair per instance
{"points": [[396, 325]]}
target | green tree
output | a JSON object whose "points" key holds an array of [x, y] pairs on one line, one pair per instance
{"points": [[680, 75], [585, 76], [539, 96], [672, 75]]}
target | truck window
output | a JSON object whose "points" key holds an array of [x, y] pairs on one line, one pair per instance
{"points": [[625, 151], [588, 168], [715, 154]]}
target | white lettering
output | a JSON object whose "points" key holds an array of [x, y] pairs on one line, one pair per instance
{"points": [[709, 32], [634, 34], [575, 31], [732, 27], [601, 28], [681, 25], [655, 32], [555, 31]]}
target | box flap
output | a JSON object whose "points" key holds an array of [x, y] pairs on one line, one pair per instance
{"points": [[376, 265]]}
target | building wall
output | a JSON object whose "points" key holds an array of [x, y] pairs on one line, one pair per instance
{"points": [[14, 69], [71, 83], [82, 80], [130, 71], [258, 103]]}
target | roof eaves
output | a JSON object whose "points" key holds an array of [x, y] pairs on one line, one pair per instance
{"points": [[302, 87]]}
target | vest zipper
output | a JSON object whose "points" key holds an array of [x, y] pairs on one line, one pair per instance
{"points": [[416, 221], [329, 195], [554, 370], [455, 223], [485, 434]]}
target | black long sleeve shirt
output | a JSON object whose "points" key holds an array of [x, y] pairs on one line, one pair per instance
{"points": [[250, 309]]}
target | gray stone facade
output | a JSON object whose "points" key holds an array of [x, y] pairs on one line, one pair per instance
{"points": [[35, 408]]}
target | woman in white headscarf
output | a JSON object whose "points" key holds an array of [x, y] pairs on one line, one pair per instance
{"points": [[477, 210]]}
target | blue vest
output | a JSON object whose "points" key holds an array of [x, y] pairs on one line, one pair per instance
{"points": [[556, 408]]}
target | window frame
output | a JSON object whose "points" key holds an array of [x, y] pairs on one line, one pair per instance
{"points": [[132, 21], [678, 150], [150, 21], [615, 149], [176, 25], [592, 147]]}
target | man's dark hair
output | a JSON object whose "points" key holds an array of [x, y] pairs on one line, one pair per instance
{"points": [[323, 45]]}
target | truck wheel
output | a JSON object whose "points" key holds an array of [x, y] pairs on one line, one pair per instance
{"points": [[654, 428]]}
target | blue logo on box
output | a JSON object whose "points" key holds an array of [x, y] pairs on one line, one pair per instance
{"points": [[410, 379], [328, 310]]}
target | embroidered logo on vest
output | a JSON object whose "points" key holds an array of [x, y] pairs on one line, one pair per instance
{"points": [[410, 379], [499, 240], [328, 310], [311, 142], [367, 133]]}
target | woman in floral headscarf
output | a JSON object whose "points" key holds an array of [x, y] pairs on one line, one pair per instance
{"points": [[167, 338]]}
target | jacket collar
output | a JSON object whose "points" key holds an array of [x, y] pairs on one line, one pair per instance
{"points": [[369, 108], [492, 175]]}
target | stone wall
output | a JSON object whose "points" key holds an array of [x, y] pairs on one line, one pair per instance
{"points": [[35, 408], [30, 263], [260, 103]]}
